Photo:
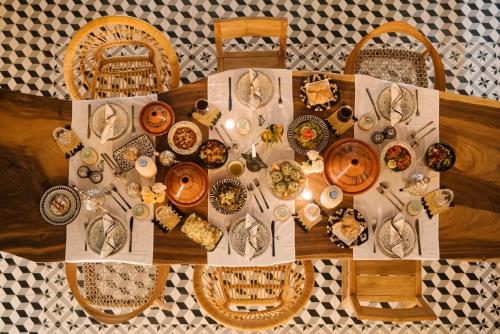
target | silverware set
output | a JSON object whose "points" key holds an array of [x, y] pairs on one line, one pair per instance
{"points": [[251, 188], [257, 184], [373, 103], [109, 192], [233, 145], [385, 193]]}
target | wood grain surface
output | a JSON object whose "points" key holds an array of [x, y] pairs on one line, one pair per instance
{"points": [[30, 162]]}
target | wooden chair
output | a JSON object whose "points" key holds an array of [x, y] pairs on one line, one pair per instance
{"points": [[253, 298], [117, 56], [395, 64], [130, 289], [385, 281], [242, 27]]}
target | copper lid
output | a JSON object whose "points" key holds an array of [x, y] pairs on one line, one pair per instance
{"points": [[352, 165], [156, 117], [187, 184]]}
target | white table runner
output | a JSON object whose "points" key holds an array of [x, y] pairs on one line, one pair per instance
{"points": [[218, 95], [373, 205], [142, 240]]}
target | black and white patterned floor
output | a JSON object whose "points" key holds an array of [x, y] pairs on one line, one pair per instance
{"points": [[33, 36]]}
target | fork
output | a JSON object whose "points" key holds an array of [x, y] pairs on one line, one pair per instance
{"points": [[257, 184], [416, 142], [374, 229], [280, 100], [251, 188]]}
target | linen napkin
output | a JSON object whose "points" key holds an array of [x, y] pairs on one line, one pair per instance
{"points": [[110, 244], [109, 128], [255, 94], [398, 225], [251, 236], [396, 97]]}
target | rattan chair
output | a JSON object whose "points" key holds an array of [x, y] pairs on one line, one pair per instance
{"points": [[124, 289], [396, 65], [253, 298], [246, 27], [116, 56], [385, 281]]}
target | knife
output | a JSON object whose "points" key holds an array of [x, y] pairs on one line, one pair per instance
{"points": [[272, 232], [230, 106], [417, 229], [131, 226], [88, 121]]}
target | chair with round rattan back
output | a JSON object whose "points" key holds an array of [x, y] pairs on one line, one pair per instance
{"points": [[114, 293], [116, 56], [396, 65], [253, 298]]}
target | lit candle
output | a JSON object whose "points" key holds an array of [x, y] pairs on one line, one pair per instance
{"points": [[229, 124], [307, 194], [254, 154]]}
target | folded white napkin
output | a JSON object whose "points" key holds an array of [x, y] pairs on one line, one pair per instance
{"points": [[109, 128], [252, 236], [109, 245], [397, 227], [396, 97], [255, 94]]}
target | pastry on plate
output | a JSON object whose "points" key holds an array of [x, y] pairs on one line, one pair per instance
{"points": [[319, 92]]}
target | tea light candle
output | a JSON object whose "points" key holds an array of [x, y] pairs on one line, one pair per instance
{"points": [[307, 194], [229, 124], [243, 126], [254, 153]]}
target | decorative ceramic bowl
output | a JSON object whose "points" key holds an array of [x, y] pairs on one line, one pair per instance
{"points": [[440, 157], [187, 184], [156, 117], [352, 165], [397, 156], [308, 125], [228, 196]]}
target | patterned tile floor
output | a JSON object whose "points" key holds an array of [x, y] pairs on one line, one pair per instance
{"points": [[33, 36]]}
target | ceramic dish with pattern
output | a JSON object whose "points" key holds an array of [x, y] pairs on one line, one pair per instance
{"points": [[60, 205], [383, 238], [308, 132], [408, 104], [184, 137], [228, 196], [337, 218], [243, 89], [156, 117], [95, 235], [397, 156], [212, 154], [126, 155], [324, 106], [238, 236], [98, 120], [286, 179]]}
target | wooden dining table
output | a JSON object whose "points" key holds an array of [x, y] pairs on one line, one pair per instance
{"points": [[31, 162]]}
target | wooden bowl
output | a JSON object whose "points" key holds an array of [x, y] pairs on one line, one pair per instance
{"points": [[352, 165], [187, 184], [156, 117]]}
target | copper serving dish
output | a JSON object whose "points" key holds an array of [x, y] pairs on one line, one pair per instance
{"points": [[156, 117], [187, 184]]}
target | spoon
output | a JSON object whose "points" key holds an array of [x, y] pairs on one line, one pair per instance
{"points": [[108, 191], [381, 190], [387, 186]]}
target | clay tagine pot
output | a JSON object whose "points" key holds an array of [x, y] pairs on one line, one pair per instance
{"points": [[352, 165], [187, 184], [156, 117]]}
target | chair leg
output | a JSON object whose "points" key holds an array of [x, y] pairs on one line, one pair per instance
{"points": [[346, 301]]}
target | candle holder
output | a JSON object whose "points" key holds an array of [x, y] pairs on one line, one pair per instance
{"points": [[253, 164]]}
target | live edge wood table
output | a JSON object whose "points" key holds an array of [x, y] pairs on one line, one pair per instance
{"points": [[30, 162]]}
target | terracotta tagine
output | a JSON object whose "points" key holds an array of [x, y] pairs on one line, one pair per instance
{"points": [[352, 165], [187, 184], [156, 117]]}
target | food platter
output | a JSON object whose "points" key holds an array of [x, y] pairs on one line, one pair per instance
{"points": [[286, 179], [60, 205], [337, 218], [333, 88], [184, 137], [126, 155], [228, 196], [212, 154], [397, 156], [308, 132]]}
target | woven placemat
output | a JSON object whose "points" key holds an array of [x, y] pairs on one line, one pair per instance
{"points": [[430, 208], [305, 223], [209, 119]]}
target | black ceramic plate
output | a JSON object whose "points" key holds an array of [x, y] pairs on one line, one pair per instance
{"points": [[224, 186], [337, 217], [451, 155], [204, 161], [296, 146], [60, 205], [324, 106]]}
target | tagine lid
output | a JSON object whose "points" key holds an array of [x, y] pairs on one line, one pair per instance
{"points": [[156, 117], [352, 165], [187, 184]]}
